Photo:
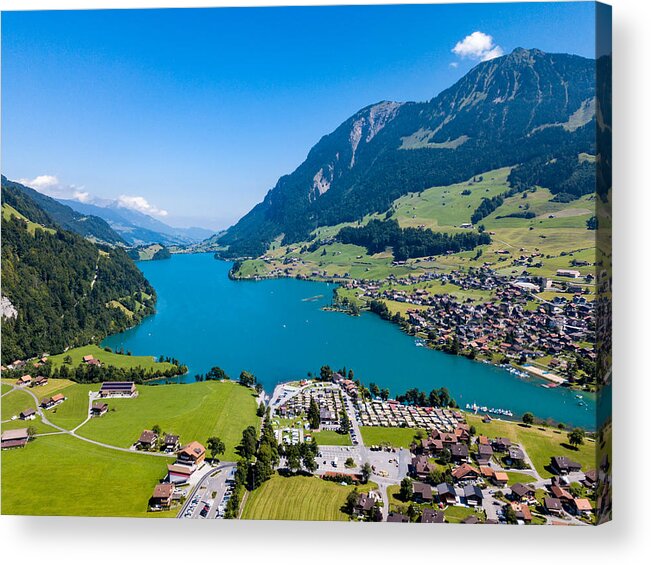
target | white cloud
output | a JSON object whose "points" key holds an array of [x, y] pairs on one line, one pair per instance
{"points": [[478, 46], [454, 64], [50, 186], [140, 204]]}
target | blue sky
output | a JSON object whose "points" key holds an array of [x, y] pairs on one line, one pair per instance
{"points": [[192, 115]]}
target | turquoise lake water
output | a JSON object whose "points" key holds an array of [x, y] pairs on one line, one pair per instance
{"points": [[277, 330]]}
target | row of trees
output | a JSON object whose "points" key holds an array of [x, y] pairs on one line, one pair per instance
{"points": [[437, 398], [377, 235]]}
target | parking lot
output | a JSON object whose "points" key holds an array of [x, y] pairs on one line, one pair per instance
{"points": [[209, 501]]}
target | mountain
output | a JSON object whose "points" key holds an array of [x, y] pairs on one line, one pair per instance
{"points": [[138, 228], [59, 214], [508, 111], [58, 288]]}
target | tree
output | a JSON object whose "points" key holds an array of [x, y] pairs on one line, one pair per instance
{"points": [[349, 463], [261, 410], [309, 461], [248, 444], [293, 458], [156, 429], [374, 389], [67, 360], [216, 374], [509, 514], [247, 379], [258, 387], [527, 418], [366, 472], [344, 422], [576, 437], [406, 489], [384, 394], [215, 446], [351, 501], [326, 373], [445, 457], [314, 415]]}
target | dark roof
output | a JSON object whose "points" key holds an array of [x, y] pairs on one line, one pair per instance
{"points": [[431, 516], [472, 519], [472, 490], [147, 437], [171, 438], [28, 412], [396, 517], [163, 490], [553, 504], [423, 489], [563, 463], [522, 490], [100, 405], [446, 488], [459, 450], [117, 385]]}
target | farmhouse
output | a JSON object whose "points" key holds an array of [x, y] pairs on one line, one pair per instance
{"points": [[14, 438], [40, 381], [53, 401], [465, 472], [171, 442], [553, 506], [500, 478], [162, 496], [562, 465], [192, 454], [522, 512], [125, 389], [28, 414], [522, 492], [25, 380], [365, 503], [571, 273], [431, 516], [98, 409], [147, 440], [90, 360]]}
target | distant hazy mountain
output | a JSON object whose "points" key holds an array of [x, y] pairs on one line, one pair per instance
{"points": [[138, 228], [527, 107], [61, 215]]}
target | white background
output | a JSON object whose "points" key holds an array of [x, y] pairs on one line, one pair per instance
{"points": [[625, 540]]}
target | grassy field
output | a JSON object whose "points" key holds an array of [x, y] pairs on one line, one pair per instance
{"points": [[540, 443], [9, 212], [456, 514], [15, 402], [107, 358], [297, 498], [77, 479], [193, 411], [74, 409], [515, 477], [396, 437], [327, 437]]}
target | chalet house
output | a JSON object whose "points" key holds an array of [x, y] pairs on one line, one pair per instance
{"points": [[590, 479], [582, 506], [53, 401], [162, 496], [180, 474], [25, 380], [553, 506], [171, 443], [147, 440], [431, 516], [459, 452], [465, 472], [520, 492], [484, 454], [28, 414], [420, 466], [192, 454], [98, 409], [560, 493], [14, 438], [365, 503], [562, 465], [422, 492], [446, 493], [500, 478], [40, 381], [501, 444], [473, 495], [516, 455], [522, 512], [397, 517], [431, 445], [90, 360], [119, 389]]}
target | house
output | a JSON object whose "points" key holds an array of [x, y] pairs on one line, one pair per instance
{"points": [[180, 474], [553, 506], [422, 492], [465, 472], [51, 402], [484, 454], [486, 471], [582, 506], [571, 273], [124, 389], [365, 503], [522, 512], [562, 465], [171, 442], [501, 444], [147, 440], [472, 519], [473, 495], [327, 416], [25, 380], [500, 478], [40, 381], [397, 517], [162, 496], [192, 454], [431, 516], [523, 492], [28, 414], [14, 438], [459, 452], [90, 360], [560, 493], [420, 466], [98, 409], [516, 455], [446, 493], [590, 478]]}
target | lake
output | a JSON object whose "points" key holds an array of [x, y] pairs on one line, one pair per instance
{"points": [[277, 330]]}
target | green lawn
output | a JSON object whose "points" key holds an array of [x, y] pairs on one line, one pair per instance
{"points": [[397, 437], [74, 409], [540, 443], [5, 387], [456, 514], [107, 358], [15, 402], [63, 476], [328, 437], [193, 411], [515, 477], [297, 498]]}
